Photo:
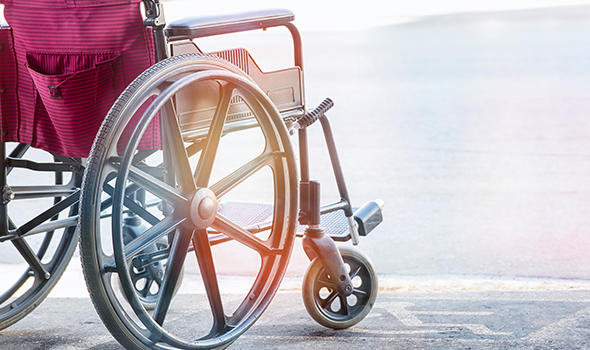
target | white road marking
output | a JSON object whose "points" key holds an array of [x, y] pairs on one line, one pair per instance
{"points": [[474, 296], [452, 313], [336, 337], [478, 329], [400, 332], [406, 317], [409, 318], [554, 329]]}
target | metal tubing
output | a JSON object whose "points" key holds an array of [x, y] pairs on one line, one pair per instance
{"points": [[51, 226], [328, 208], [59, 180], [160, 43], [304, 180], [298, 60], [314, 203], [17, 152], [28, 164], [303, 155], [329, 136], [49, 213], [297, 46], [155, 19], [32, 192]]}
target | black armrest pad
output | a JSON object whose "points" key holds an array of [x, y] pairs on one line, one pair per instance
{"points": [[195, 27]]}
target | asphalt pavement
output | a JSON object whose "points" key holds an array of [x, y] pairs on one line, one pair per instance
{"points": [[399, 320]]}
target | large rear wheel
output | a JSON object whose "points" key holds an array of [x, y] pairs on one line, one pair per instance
{"points": [[179, 178]]}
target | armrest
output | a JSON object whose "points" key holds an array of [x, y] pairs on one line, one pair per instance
{"points": [[196, 27]]}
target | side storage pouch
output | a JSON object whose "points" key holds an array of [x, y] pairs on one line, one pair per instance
{"points": [[77, 90]]}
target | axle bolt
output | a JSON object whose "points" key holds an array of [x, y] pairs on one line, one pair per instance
{"points": [[7, 195], [203, 208], [207, 207]]}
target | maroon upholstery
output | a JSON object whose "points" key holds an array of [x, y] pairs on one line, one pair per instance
{"points": [[63, 64]]}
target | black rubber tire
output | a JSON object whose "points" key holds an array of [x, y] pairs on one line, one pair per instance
{"points": [[310, 295]]}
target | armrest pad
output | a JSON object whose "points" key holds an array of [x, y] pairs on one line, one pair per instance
{"points": [[196, 27]]}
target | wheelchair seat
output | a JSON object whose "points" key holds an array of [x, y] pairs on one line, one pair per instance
{"points": [[197, 27]]}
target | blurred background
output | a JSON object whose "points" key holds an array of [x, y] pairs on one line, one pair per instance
{"points": [[469, 119]]}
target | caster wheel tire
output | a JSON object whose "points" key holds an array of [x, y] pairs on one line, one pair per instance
{"points": [[323, 302]]}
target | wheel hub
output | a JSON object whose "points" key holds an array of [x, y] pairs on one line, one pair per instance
{"points": [[203, 208]]}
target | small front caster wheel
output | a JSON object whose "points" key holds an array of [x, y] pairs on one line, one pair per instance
{"points": [[325, 305]]}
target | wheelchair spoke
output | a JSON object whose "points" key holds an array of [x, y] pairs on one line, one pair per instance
{"points": [[151, 235], [147, 238], [241, 174], [31, 258], [237, 233], [157, 187], [175, 262], [206, 160], [207, 268], [130, 204], [146, 289], [343, 305], [358, 291], [177, 150], [356, 271], [330, 299]]}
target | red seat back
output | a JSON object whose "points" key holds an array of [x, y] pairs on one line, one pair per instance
{"points": [[63, 64]]}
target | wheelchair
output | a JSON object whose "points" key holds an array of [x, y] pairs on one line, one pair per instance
{"points": [[194, 156]]}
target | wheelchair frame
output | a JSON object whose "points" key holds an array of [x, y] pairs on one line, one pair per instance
{"points": [[181, 42], [317, 244], [39, 223]]}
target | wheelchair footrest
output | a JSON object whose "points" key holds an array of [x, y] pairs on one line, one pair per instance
{"points": [[247, 214], [256, 216], [335, 224]]}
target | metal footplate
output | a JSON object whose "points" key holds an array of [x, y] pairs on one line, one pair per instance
{"points": [[257, 217]]}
